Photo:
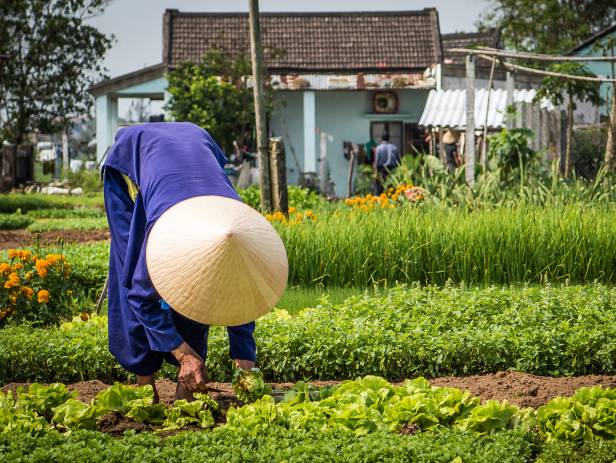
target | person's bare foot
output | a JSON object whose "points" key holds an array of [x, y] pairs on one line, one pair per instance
{"points": [[143, 380], [244, 364]]}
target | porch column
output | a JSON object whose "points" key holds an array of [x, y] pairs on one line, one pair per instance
{"points": [[310, 156], [166, 112], [106, 123]]}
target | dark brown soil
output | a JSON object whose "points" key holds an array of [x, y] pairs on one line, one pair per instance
{"points": [[115, 424], [18, 238], [518, 388], [521, 388]]}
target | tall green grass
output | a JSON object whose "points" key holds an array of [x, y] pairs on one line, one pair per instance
{"points": [[436, 245]]}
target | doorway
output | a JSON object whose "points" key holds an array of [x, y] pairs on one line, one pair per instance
{"points": [[393, 128]]}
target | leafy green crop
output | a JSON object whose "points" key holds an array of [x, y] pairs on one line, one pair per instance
{"points": [[589, 414], [249, 385]]}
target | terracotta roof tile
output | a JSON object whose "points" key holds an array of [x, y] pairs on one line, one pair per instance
{"points": [[488, 38], [310, 41]]}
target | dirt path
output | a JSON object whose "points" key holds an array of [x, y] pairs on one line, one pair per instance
{"points": [[518, 388], [19, 238]]}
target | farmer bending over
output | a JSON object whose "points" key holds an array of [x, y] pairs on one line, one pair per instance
{"points": [[177, 228]]}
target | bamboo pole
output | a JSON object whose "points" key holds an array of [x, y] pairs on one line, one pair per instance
{"points": [[260, 117], [542, 72], [531, 56], [469, 153], [484, 146]]}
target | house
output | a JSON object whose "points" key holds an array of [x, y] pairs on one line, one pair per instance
{"points": [[602, 43], [337, 77]]}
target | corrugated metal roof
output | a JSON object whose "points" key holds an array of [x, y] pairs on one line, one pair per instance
{"points": [[447, 108]]}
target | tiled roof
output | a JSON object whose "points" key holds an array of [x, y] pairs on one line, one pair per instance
{"points": [[310, 41], [488, 38]]}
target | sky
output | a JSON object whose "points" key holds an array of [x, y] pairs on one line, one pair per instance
{"points": [[137, 24]]}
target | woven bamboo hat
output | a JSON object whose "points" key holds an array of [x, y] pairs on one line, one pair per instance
{"points": [[217, 261]]}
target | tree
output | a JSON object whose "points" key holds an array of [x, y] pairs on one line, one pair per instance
{"points": [[548, 26], [53, 58], [215, 95], [556, 89]]}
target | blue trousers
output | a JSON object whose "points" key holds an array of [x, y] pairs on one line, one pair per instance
{"points": [[141, 332]]}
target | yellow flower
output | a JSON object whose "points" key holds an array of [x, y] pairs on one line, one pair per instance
{"points": [[43, 296]]}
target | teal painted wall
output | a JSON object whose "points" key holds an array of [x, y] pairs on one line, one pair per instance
{"points": [[601, 68], [287, 122], [345, 116]]}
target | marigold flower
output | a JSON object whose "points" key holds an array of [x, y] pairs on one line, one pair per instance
{"points": [[292, 210], [27, 291], [43, 296], [85, 316], [12, 253], [5, 268], [13, 281], [18, 266]]}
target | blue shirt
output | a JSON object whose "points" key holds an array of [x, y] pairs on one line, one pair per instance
{"points": [[387, 156]]}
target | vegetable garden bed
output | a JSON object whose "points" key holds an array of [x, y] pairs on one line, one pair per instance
{"points": [[365, 420]]}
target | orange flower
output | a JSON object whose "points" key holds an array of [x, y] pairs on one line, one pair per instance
{"points": [[292, 210], [85, 316], [12, 281], [13, 253], [18, 266], [5, 268], [27, 291], [24, 255], [41, 267], [43, 296]]}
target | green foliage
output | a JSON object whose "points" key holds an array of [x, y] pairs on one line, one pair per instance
{"points": [[14, 221], [12, 202], [401, 333], [589, 414], [299, 198], [435, 245], [89, 180], [54, 56], [595, 451], [510, 149], [214, 95], [548, 26], [556, 88], [44, 225], [276, 445], [249, 385], [64, 213]]}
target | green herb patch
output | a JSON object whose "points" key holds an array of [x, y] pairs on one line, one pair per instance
{"points": [[43, 225], [14, 221], [401, 333]]}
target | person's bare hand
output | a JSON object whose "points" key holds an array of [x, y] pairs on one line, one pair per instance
{"points": [[192, 368]]}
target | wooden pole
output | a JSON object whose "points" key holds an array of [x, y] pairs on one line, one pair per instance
{"points": [[469, 154], [484, 145], [546, 73], [278, 166], [260, 116], [351, 169], [610, 146]]}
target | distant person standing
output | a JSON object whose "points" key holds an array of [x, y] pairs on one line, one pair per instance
{"points": [[386, 159], [451, 150]]}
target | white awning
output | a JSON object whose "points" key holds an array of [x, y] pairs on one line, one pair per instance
{"points": [[447, 108]]}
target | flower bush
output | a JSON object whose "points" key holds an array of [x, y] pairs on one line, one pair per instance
{"points": [[294, 217], [390, 199], [34, 289]]}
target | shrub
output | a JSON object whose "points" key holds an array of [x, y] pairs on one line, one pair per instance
{"points": [[34, 289]]}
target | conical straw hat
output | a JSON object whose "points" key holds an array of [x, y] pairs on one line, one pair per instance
{"points": [[217, 261]]}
